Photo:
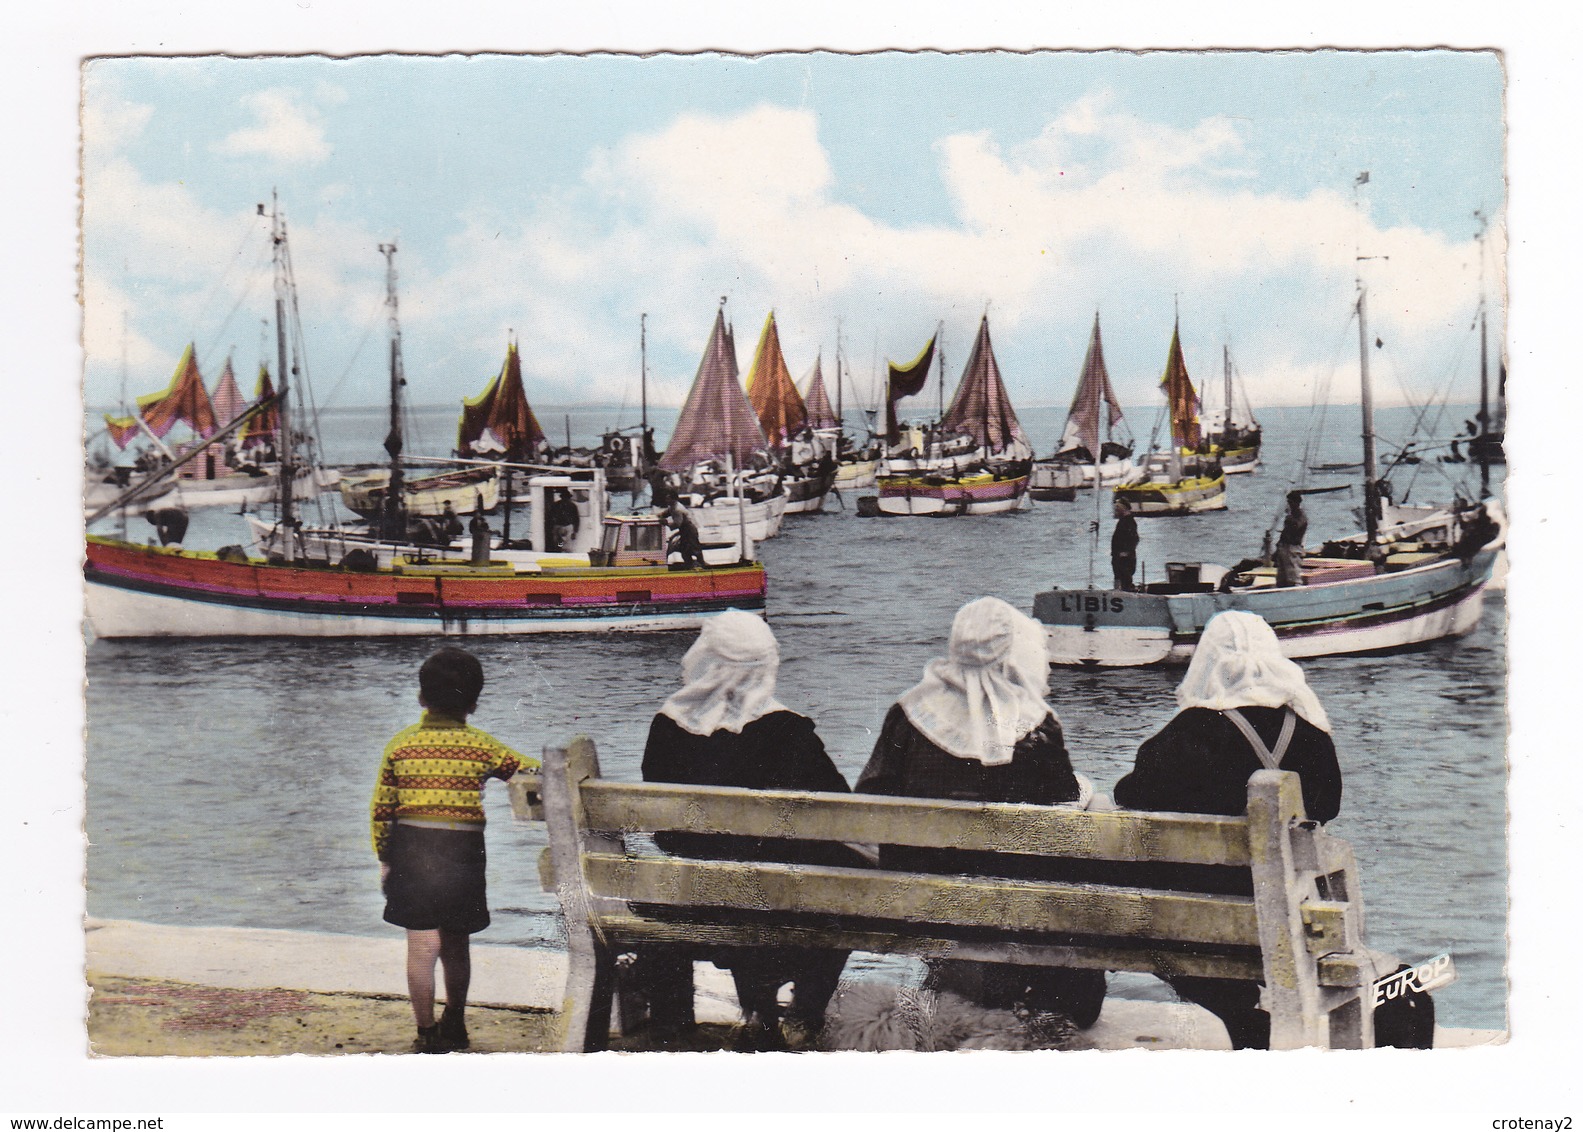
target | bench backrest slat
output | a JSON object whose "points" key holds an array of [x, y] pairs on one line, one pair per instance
{"points": [[988, 903], [929, 823]]}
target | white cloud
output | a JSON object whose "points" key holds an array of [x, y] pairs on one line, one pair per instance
{"points": [[284, 130], [1101, 209]]}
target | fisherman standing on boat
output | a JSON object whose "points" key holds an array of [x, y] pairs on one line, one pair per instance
{"points": [[1123, 546], [685, 541], [1289, 548], [450, 524], [564, 520]]}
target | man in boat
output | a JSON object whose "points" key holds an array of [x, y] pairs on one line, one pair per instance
{"points": [[170, 523], [450, 524], [1289, 547], [1124, 546], [564, 520], [685, 541]]}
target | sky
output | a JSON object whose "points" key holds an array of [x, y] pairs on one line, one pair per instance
{"points": [[865, 198]]}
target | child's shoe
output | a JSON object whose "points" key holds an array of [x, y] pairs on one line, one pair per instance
{"points": [[428, 1040]]}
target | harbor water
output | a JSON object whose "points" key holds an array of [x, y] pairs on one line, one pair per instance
{"points": [[229, 780]]}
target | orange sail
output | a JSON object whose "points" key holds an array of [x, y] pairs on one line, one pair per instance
{"points": [[502, 413], [1181, 397], [775, 399], [184, 399]]}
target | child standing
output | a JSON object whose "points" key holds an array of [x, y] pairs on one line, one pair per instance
{"points": [[428, 830]]}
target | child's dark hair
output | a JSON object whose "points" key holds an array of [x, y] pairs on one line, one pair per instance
{"points": [[451, 680]]}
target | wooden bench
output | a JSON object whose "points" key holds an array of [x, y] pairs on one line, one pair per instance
{"points": [[1300, 934]]}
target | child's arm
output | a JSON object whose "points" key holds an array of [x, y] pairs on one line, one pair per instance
{"points": [[382, 812]]}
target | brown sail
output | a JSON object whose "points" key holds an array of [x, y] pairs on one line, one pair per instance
{"points": [[980, 406], [502, 411], [775, 399], [716, 419], [820, 414], [1094, 393]]}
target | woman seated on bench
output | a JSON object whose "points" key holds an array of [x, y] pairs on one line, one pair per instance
{"points": [[977, 728], [724, 727], [1243, 707]]}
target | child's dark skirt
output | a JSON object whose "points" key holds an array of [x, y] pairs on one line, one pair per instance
{"points": [[436, 880]]}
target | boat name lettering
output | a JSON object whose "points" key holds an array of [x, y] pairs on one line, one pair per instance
{"points": [[1089, 603], [1426, 976]]}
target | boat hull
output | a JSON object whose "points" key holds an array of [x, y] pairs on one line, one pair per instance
{"points": [[721, 520], [1380, 613], [806, 495], [930, 495], [857, 474], [135, 591], [1060, 481], [425, 496], [1191, 496]]}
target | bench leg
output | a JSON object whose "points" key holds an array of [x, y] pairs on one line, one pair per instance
{"points": [[585, 1009], [1351, 1026]]}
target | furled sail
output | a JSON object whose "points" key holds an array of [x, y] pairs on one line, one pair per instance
{"points": [[1094, 394], [775, 399], [184, 399], [905, 381], [1181, 397], [499, 421], [980, 405], [227, 400], [716, 419]]}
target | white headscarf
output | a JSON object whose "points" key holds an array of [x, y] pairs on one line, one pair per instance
{"points": [[1238, 663], [728, 676], [988, 691]]}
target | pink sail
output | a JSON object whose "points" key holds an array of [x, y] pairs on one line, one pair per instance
{"points": [[716, 419], [227, 399], [980, 406]]}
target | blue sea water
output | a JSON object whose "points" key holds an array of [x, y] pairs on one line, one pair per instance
{"points": [[228, 780]]}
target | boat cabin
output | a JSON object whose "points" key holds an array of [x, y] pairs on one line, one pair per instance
{"points": [[546, 493], [631, 540]]}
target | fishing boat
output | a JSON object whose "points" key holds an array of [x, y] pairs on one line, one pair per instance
{"points": [[1182, 481], [1231, 433], [995, 478], [144, 591], [1091, 452], [208, 470], [717, 455], [806, 475], [1408, 578]]}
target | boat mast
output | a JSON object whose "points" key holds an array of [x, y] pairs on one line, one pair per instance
{"points": [[288, 471], [395, 490], [840, 408], [1481, 446], [1225, 428], [643, 378], [1371, 489], [1096, 396]]}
